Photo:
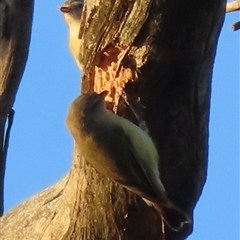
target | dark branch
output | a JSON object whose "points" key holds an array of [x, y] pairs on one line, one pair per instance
{"points": [[3, 155], [236, 26], [15, 31]]}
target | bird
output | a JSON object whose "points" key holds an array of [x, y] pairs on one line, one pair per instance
{"points": [[121, 151], [72, 10]]}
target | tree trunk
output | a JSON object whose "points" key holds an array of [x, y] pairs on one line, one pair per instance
{"points": [[160, 52], [15, 31]]}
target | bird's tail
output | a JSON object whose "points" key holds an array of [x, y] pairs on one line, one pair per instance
{"points": [[172, 215]]}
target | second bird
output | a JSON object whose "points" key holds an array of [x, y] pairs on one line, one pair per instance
{"points": [[72, 10]]}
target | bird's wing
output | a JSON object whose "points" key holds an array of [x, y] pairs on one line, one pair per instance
{"points": [[144, 154]]}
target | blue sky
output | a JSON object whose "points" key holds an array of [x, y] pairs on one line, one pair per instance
{"points": [[40, 149]]}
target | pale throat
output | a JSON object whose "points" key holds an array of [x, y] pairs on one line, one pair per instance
{"points": [[74, 27]]}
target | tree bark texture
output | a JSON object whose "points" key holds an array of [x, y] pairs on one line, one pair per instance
{"points": [[161, 53], [15, 31]]}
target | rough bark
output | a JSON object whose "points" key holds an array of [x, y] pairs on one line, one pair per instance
{"points": [[15, 31], [160, 52]]}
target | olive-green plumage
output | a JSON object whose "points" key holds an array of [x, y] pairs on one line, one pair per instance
{"points": [[122, 152]]}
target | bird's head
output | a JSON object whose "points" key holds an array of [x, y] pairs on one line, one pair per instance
{"points": [[89, 104], [72, 10]]}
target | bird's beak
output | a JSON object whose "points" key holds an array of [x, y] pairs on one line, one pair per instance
{"points": [[64, 9], [103, 94]]}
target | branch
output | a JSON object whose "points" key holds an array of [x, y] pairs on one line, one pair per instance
{"points": [[15, 31], [3, 156], [236, 26], [233, 6]]}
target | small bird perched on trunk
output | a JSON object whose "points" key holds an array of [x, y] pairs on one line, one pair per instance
{"points": [[72, 10], [121, 151]]}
